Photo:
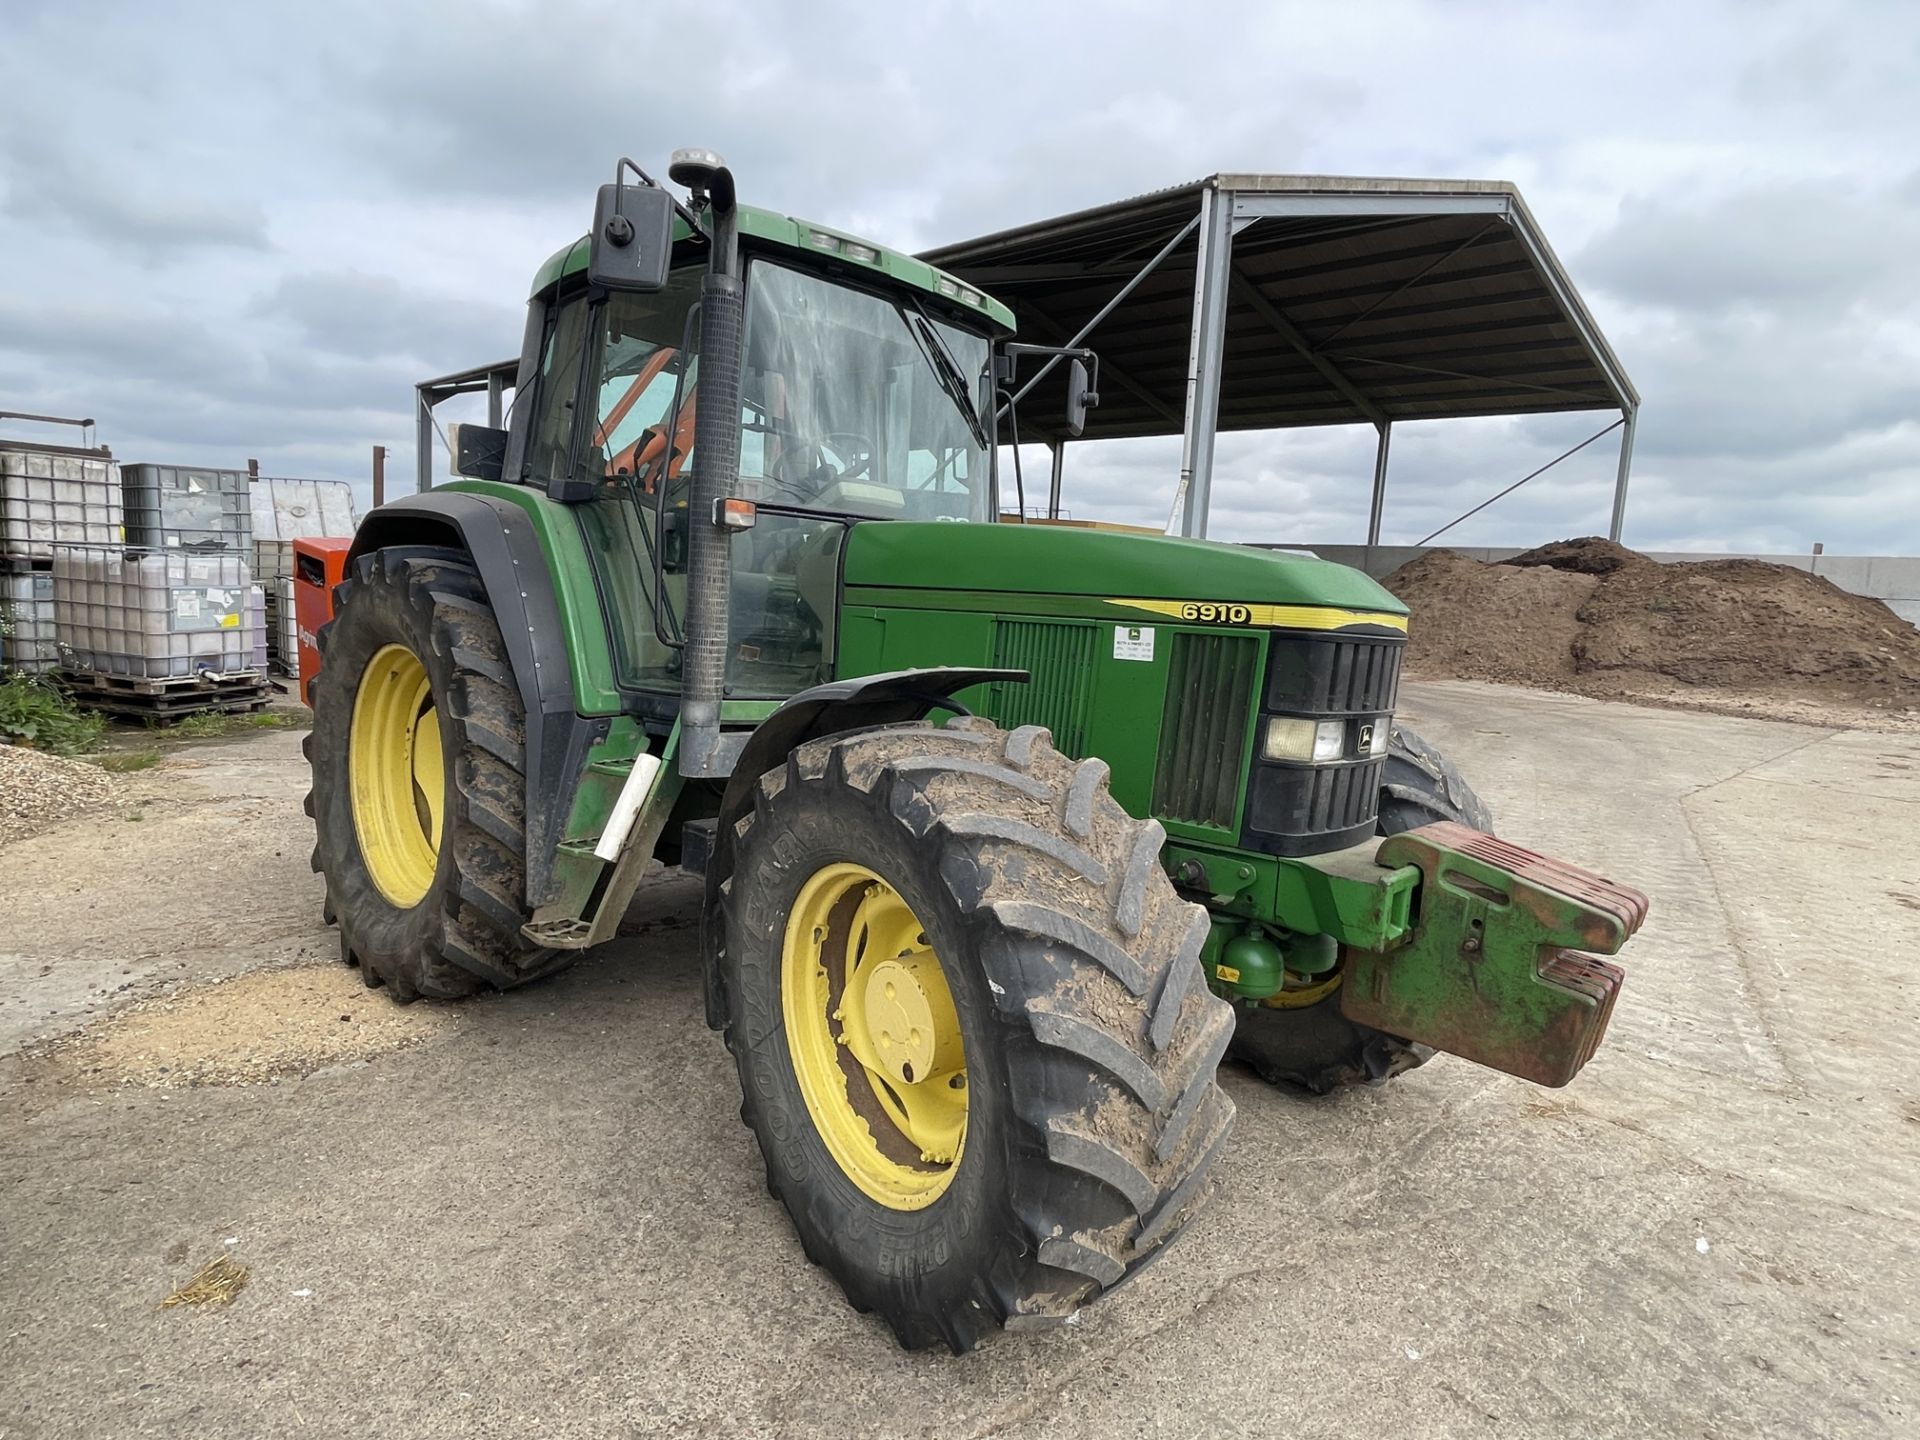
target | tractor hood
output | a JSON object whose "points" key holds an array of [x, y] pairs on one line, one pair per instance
{"points": [[1099, 564]]}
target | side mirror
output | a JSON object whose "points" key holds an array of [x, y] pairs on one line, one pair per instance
{"points": [[1080, 397], [479, 451], [632, 241]]}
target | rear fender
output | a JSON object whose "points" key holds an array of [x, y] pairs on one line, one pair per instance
{"points": [[501, 540]]}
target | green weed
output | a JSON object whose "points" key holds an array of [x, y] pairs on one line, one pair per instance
{"points": [[33, 713], [124, 762]]}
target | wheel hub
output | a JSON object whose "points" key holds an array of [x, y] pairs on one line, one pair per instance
{"points": [[875, 1040], [909, 1018]]}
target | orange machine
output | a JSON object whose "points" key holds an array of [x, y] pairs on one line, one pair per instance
{"points": [[318, 566]]}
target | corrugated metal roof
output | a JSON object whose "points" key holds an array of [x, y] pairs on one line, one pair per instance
{"points": [[1427, 298]]}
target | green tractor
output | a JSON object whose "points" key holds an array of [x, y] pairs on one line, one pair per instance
{"points": [[1010, 832]]}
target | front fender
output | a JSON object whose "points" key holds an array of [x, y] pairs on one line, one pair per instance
{"points": [[896, 698]]}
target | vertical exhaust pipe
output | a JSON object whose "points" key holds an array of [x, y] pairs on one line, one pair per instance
{"points": [[716, 467]]}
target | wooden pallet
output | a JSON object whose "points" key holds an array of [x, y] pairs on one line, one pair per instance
{"points": [[164, 700]]}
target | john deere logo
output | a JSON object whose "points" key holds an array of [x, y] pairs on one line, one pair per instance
{"points": [[1366, 739]]}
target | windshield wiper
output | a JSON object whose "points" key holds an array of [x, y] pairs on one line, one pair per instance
{"points": [[946, 369]]}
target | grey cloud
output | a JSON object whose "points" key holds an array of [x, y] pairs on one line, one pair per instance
{"points": [[1799, 243], [69, 335], [354, 314], [49, 182], [1734, 188]]}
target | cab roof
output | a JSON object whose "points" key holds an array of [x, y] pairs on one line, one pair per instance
{"points": [[818, 241]]}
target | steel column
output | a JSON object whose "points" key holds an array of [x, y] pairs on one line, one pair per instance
{"points": [[1211, 271], [494, 388], [1631, 417], [422, 441], [1059, 448], [1379, 482]]}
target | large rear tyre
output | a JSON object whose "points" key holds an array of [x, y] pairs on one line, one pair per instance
{"points": [[973, 1036], [1314, 1046], [419, 795]]}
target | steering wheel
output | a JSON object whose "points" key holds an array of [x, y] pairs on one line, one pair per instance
{"points": [[861, 451]]}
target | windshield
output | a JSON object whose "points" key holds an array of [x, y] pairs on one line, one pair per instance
{"points": [[860, 404], [852, 405]]}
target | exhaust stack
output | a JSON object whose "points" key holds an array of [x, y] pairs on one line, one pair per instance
{"points": [[716, 466]]}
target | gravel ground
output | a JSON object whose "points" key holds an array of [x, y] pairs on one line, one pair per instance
{"points": [[38, 790], [253, 1029], [540, 1214]]}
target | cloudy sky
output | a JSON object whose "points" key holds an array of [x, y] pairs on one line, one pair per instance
{"points": [[233, 230]]}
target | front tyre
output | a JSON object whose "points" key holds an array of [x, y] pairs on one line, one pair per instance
{"points": [[419, 795], [974, 1042], [1302, 1038]]}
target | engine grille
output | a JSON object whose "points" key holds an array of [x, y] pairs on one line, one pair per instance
{"points": [[1323, 675], [1059, 696], [1203, 730], [1309, 803]]}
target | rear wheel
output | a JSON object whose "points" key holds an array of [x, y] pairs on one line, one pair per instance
{"points": [[973, 1037], [1300, 1037], [419, 798]]}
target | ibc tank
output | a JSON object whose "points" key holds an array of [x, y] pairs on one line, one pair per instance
{"points": [[175, 507], [257, 619], [286, 627], [26, 622], [52, 496], [287, 510], [153, 616]]}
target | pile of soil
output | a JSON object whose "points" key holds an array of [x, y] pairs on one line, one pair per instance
{"points": [[38, 790], [1595, 618], [1491, 622], [1590, 556]]}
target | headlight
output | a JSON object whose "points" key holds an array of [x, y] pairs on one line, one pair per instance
{"points": [[1315, 742], [1303, 741]]}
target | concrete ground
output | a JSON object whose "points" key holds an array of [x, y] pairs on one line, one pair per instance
{"points": [[545, 1218]]}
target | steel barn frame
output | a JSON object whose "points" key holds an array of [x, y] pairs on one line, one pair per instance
{"points": [[1256, 302]]}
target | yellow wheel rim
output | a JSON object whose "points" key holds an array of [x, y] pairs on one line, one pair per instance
{"points": [[395, 774], [875, 1041]]}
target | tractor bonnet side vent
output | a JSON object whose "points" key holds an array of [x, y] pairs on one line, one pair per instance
{"points": [[1059, 658], [1203, 730]]}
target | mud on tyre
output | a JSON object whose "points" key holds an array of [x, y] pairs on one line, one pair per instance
{"points": [[1086, 1037], [1314, 1046], [415, 704]]}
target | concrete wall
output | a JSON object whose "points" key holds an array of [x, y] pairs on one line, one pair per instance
{"points": [[1892, 579]]}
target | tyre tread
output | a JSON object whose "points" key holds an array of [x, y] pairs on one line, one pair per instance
{"points": [[1058, 881]]}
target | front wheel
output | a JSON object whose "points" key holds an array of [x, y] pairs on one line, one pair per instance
{"points": [[1301, 1037], [973, 1036]]}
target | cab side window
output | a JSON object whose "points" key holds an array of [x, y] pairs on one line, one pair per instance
{"points": [[558, 388]]}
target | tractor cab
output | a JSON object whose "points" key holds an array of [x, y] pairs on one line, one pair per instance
{"points": [[865, 392]]}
